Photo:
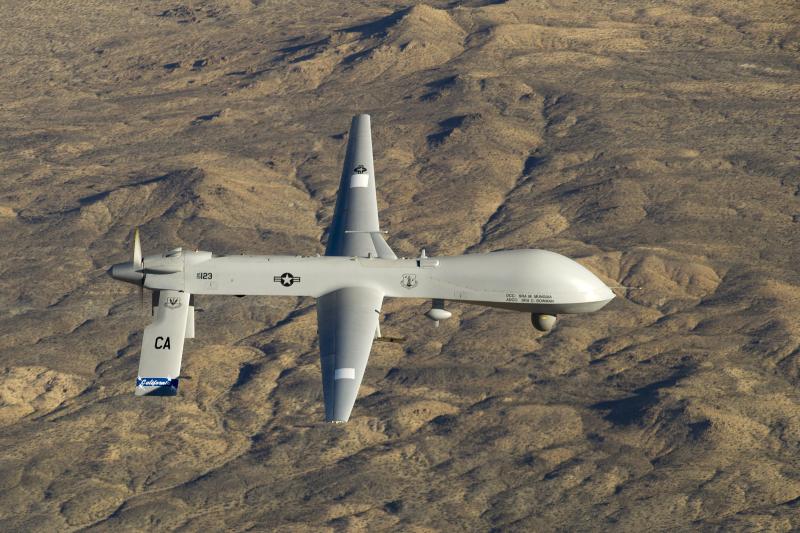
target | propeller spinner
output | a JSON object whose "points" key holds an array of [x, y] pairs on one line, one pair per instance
{"points": [[131, 271]]}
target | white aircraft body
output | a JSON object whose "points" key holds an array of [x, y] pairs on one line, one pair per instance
{"points": [[350, 282]]}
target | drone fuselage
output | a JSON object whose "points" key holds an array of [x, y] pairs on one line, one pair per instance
{"points": [[534, 281]]}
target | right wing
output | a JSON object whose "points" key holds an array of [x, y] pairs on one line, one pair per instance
{"points": [[162, 345], [355, 230], [347, 320]]}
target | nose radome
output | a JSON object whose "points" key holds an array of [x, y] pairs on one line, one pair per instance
{"points": [[593, 286], [579, 280]]}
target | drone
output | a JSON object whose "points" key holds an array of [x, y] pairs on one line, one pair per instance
{"points": [[358, 271]]}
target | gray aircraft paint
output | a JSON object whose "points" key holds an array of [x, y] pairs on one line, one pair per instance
{"points": [[527, 280], [350, 282], [355, 218]]}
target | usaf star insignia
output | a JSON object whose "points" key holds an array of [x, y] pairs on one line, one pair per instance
{"points": [[286, 279]]}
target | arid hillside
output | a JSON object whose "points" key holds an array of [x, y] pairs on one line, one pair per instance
{"points": [[657, 143]]}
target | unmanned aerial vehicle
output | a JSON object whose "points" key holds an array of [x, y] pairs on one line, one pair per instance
{"points": [[349, 282]]}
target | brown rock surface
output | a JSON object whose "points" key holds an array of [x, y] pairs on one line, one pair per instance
{"points": [[657, 143]]}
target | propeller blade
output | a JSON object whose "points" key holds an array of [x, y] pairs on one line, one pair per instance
{"points": [[137, 250], [138, 264]]}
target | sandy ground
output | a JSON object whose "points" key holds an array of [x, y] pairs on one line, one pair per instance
{"points": [[655, 142]]}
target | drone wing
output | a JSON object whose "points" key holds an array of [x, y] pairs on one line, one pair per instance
{"points": [[162, 345], [355, 230], [347, 320]]}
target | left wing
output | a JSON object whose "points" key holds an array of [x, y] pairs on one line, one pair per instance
{"points": [[347, 320], [355, 230]]}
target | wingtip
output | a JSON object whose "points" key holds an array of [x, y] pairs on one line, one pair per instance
{"points": [[362, 118]]}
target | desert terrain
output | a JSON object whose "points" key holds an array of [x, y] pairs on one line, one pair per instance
{"points": [[657, 143]]}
